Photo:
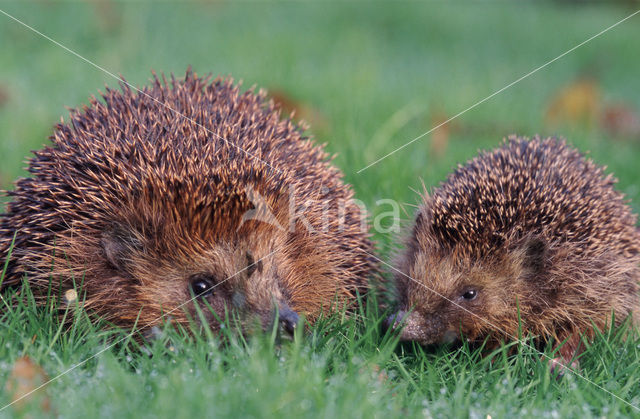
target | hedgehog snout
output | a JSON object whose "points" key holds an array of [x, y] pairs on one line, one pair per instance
{"points": [[415, 327], [288, 319], [284, 319], [395, 320]]}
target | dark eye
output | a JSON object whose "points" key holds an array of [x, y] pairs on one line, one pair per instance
{"points": [[470, 295], [201, 286]]}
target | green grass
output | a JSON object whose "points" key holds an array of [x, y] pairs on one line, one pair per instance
{"points": [[363, 66], [343, 366]]}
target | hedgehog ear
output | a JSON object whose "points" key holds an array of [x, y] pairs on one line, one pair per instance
{"points": [[252, 265], [117, 247], [422, 218], [534, 253]]}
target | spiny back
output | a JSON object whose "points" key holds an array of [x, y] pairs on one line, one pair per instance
{"points": [[176, 135], [175, 160], [537, 186]]}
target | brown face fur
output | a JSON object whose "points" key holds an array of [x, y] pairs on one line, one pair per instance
{"points": [[445, 295], [140, 205], [140, 267], [529, 237]]}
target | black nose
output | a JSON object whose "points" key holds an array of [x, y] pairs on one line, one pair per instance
{"points": [[288, 320], [393, 320], [389, 322]]}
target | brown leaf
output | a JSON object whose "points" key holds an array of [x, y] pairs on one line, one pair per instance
{"points": [[440, 136], [301, 111], [620, 120], [577, 103], [25, 377], [4, 95], [108, 15]]}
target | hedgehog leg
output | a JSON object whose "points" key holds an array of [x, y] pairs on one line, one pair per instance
{"points": [[568, 350]]}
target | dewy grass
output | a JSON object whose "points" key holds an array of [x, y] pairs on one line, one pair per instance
{"points": [[357, 66], [342, 366], [7, 259]]}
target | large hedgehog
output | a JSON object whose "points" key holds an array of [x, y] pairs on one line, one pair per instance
{"points": [[186, 188], [531, 232]]}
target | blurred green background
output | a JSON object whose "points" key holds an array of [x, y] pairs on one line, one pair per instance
{"points": [[368, 76]]}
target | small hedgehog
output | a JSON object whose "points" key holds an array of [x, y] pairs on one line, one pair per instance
{"points": [[531, 234], [186, 188]]}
